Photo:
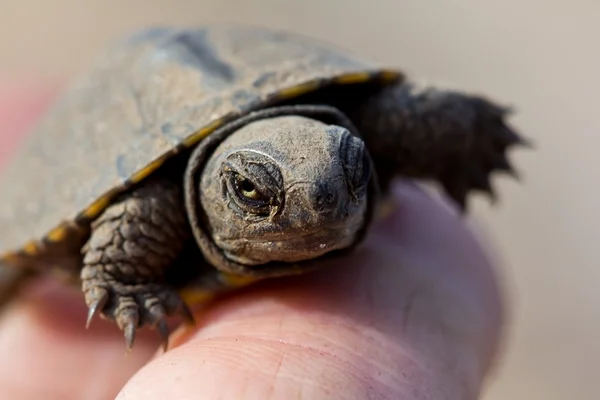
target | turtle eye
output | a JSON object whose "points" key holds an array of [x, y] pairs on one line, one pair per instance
{"points": [[247, 189], [248, 195], [253, 185], [356, 162]]}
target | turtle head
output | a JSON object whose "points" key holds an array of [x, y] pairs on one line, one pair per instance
{"points": [[285, 189]]}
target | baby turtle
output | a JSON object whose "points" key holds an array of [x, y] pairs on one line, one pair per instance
{"points": [[189, 162]]}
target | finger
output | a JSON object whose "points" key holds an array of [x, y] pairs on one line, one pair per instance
{"points": [[20, 107], [415, 313], [45, 351]]}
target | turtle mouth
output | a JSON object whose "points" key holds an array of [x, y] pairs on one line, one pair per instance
{"points": [[287, 248], [276, 237]]}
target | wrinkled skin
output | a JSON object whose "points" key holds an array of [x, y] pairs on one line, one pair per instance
{"points": [[306, 191]]}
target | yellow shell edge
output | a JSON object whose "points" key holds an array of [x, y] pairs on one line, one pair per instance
{"points": [[57, 234], [232, 280], [147, 170], [202, 133], [196, 296], [295, 91], [91, 212], [357, 77]]}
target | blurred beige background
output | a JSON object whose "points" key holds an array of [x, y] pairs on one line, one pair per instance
{"points": [[542, 56]]}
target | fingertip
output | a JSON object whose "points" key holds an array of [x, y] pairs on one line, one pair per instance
{"points": [[420, 217], [271, 350], [426, 226], [412, 302], [44, 332]]}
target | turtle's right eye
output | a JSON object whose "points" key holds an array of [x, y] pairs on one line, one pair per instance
{"points": [[248, 195], [253, 184], [248, 190]]}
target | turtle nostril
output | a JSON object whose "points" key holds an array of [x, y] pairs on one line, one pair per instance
{"points": [[324, 198]]}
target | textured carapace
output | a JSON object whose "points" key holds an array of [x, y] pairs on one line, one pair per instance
{"points": [[143, 102]]}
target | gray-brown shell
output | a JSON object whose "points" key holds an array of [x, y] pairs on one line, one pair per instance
{"points": [[151, 96]]}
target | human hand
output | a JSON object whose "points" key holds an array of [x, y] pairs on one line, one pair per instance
{"points": [[415, 313]]}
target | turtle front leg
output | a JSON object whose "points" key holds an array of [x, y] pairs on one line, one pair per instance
{"points": [[131, 247], [453, 138]]}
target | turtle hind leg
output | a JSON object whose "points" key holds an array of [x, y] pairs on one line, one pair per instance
{"points": [[453, 138], [131, 247]]}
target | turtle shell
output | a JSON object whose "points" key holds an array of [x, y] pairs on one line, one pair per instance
{"points": [[145, 101]]}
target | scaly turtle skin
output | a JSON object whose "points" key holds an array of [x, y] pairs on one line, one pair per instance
{"points": [[188, 162]]}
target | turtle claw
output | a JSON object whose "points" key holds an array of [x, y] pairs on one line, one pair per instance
{"points": [[99, 298], [132, 307], [127, 318], [163, 330], [129, 333], [157, 316], [187, 315]]}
